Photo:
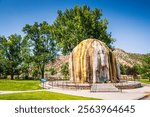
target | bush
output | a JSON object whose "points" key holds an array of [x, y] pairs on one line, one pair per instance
{"points": [[52, 71], [65, 70], [35, 73], [123, 69]]}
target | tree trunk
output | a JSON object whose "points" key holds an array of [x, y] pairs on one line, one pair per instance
{"points": [[42, 71], [12, 74]]}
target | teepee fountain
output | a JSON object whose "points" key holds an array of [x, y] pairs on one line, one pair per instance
{"points": [[91, 61], [93, 66]]}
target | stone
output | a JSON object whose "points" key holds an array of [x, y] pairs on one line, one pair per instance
{"points": [[91, 61], [103, 88]]}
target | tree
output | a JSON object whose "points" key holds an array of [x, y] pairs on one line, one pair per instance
{"points": [[53, 71], [43, 46], [146, 67], [65, 69], [11, 49], [132, 70], [27, 58], [123, 69], [2, 58], [74, 25]]}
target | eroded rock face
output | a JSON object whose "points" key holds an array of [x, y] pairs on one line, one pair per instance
{"points": [[91, 61]]}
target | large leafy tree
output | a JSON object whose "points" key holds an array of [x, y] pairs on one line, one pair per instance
{"points": [[42, 45], [2, 57], [26, 57], [74, 25], [11, 50]]}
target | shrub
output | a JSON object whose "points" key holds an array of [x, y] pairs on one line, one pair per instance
{"points": [[65, 70], [52, 71], [35, 73]]}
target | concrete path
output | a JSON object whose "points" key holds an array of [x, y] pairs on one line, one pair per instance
{"points": [[131, 94]]}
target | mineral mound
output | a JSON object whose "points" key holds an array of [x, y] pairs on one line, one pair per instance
{"points": [[91, 61]]}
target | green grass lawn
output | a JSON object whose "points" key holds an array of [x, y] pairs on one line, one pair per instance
{"points": [[144, 81], [19, 85], [42, 95], [22, 85]]}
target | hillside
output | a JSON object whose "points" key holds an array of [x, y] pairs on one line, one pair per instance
{"points": [[125, 58], [129, 59], [58, 62]]}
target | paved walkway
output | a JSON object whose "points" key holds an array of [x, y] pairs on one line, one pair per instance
{"points": [[130, 94]]}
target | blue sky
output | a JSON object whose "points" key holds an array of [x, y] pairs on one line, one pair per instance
{"points": [[129, 20]]}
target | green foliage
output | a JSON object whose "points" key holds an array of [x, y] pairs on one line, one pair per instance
{"points": [[132, 70], [11, 49], [146, 67], [74, 25], [52, 71], [35, 71], [2, 60], [65, 69], [126, 70], [27, 58], [137, 68], [44, 48], [42, 95], [123, 69]]}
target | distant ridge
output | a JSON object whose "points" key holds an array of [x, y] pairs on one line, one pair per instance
{"points": [[129, 59], [123, 57]]}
